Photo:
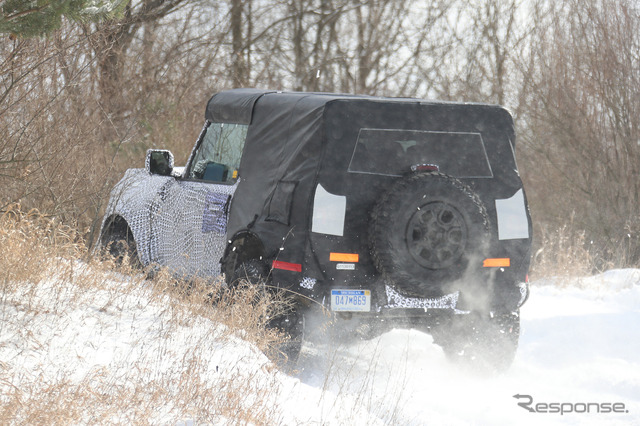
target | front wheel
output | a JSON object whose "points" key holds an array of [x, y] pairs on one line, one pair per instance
{"points": [[120, 246]]}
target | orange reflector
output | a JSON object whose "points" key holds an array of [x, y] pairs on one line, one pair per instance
{"points": [[344, 257], [497, 263]]}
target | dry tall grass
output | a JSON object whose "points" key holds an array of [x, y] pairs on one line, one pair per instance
{"points": [[567, 252], [44, 284], [562, 253]]}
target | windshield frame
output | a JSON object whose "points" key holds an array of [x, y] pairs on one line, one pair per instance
{"points": [[232, 173]]}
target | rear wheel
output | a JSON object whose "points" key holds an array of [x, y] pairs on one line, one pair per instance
{"points": [[285, 316], [250, 272], [484, 343], [291, 323]]}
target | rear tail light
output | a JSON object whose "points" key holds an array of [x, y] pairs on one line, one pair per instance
{"points": [[286, 266]]}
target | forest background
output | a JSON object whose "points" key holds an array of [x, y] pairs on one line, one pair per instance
{"points": [[87, 86]]}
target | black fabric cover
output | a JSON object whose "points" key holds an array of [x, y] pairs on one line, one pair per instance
{"points": [[284, 144], [280, 204], [233, 106], [297, 140]]}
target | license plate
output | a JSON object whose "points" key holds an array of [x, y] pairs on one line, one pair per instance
{"points": [[351, 300]]}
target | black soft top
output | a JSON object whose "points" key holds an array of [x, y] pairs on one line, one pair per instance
{"points": [[298, 140], [236, 105]]}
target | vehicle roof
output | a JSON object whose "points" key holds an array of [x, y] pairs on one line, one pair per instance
{"points": [[236, 105]]}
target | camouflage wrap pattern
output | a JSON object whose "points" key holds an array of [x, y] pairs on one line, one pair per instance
{"points": [[176, 223]]}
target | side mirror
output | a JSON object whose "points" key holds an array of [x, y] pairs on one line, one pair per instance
{"points": [[159, 162]]}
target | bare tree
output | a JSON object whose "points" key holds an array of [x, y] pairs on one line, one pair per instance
{"points": [[372, 46], [583, 121], [490, 38], [241, 22], [112, 39], [63, 147]]}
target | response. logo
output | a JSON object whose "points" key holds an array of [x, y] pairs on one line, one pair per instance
{"points": [[562, 408]]}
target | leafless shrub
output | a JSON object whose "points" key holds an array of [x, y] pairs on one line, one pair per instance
{"points": [[563, 252], [30, 243], [580, 138]]}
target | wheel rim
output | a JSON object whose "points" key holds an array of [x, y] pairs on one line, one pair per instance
{"points": [[436, 235]]}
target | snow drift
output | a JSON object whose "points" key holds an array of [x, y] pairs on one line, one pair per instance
{"points": [[109, 356]]}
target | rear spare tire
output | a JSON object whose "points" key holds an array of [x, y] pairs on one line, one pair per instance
{"points": [[428, 230]]}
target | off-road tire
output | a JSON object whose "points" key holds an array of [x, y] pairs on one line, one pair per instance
{"points": [[252, 272], [482, 343], [428, 229], [120, 245], [290, 322]]}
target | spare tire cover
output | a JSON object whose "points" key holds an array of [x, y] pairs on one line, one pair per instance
{"points": [[426, 232]]}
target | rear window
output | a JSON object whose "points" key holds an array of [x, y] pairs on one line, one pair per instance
{"points": [[392, 152]]}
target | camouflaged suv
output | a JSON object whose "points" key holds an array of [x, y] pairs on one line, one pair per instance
{"points": [[403, 212]]}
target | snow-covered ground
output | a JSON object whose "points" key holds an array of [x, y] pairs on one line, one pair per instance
{"points": [[579, 350], [580, 343]]}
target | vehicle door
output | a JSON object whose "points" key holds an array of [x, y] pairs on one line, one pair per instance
{"points": [[189, 223]]}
